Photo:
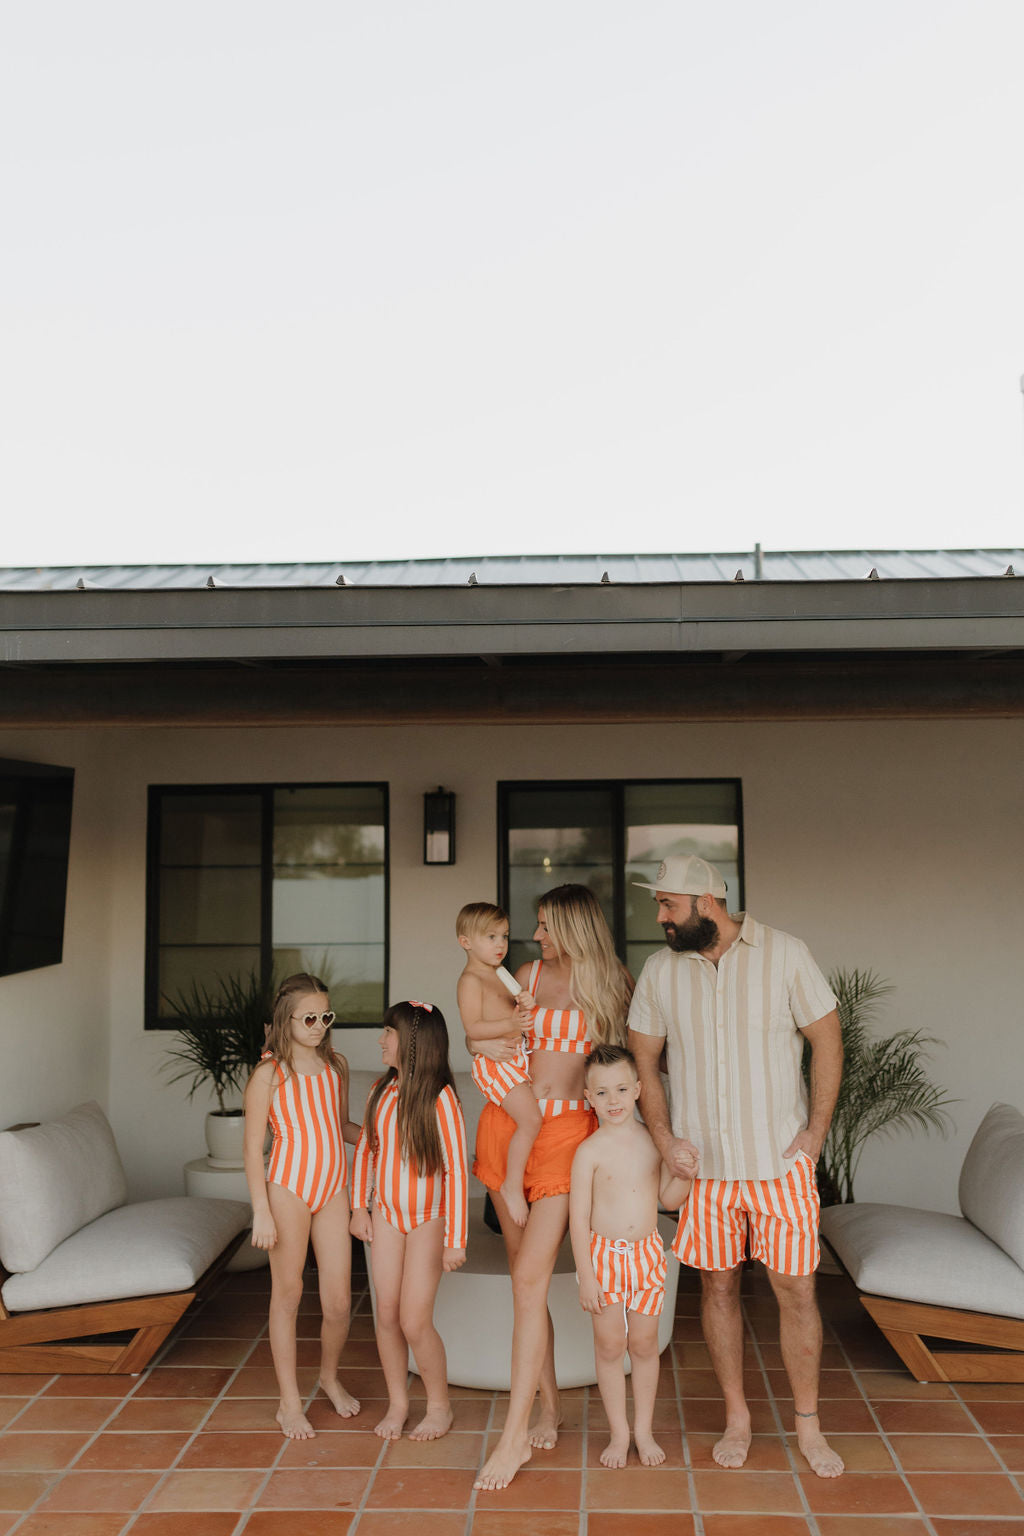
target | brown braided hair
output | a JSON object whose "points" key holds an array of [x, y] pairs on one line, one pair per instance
{"points": [[423, 1071]]}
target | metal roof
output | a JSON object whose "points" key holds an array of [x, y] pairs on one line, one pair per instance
{"points": [[532, 570]]}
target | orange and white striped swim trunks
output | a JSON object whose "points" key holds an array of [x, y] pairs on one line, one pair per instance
{"points": [[781, 1214], [632, 1273], [496, 1079]]}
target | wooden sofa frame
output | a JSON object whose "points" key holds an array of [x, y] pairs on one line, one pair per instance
{"points": [[75, 1340], [906, 1325]]}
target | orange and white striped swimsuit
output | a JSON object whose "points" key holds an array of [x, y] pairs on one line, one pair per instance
{"points": [[556, 1029], [631, 1271], [405, 1198], [496, 1079], [307, 1155], [780, 1214]]}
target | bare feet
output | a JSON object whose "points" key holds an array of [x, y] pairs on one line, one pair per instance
{"points": [[513, 1196], [434, 1423], [649, 1451], [502, 1465], [390, 1426], [294, 1424], [544, 1434], [344, 1402], [615, 1452], [731, 1450], [820, 1456]]}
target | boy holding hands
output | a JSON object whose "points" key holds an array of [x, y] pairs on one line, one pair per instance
{"points": [[618, 1178]]}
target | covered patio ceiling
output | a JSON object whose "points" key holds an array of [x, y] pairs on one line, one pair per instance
{"points": [[599, 650]]}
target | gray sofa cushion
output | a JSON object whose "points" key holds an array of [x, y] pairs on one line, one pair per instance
{"points": [[893, 1250], [992, 1179], [139, 1250], [55, 1178]]}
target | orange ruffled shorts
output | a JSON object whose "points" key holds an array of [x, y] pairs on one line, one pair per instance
{"points": [[566, 1122]]}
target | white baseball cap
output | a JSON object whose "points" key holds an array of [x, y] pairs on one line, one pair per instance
{"points": [[686, 875]]}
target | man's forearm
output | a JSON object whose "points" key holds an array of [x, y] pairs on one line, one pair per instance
{"points": [[826, 1074]]}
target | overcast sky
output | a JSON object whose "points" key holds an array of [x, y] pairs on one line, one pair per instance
{"points": [[317, 281]]}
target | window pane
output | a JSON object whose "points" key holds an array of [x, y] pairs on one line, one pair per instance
{"points": [[210, 829], [556, 837], [562, 826], [636, 954], [526, 886], [354, 974], [337, 908], [329, 891], [210, 906], [665, 819], [207, 966], [328, 826]]}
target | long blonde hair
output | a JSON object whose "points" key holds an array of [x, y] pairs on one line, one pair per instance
{"points": [[423, 1070], [279, 1030], [599, 983]]}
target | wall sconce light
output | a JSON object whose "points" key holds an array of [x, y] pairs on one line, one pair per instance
{"points": [[439, 826]]}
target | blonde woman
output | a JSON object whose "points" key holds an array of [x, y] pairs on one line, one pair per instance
{"points": [[582, 993]]}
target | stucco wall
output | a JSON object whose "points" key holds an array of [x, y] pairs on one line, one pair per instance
{"points": [[896, 846], [54, 1023]]}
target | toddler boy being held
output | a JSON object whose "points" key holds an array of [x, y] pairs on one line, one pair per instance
{"points": [[490, 1013]]}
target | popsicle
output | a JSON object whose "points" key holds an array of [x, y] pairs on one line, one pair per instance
{"points": [[508, 980]]}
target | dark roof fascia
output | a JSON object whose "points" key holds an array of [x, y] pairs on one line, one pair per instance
{"points": [[273, 623]]}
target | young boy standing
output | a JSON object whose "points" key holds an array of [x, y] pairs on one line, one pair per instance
{"points": [[489, 1012], [618, 1178]]}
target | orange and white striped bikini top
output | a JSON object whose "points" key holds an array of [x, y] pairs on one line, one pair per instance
{"points": [[556, 1029]]}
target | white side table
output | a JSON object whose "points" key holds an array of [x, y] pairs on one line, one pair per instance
{"points": [[203, 1178]]}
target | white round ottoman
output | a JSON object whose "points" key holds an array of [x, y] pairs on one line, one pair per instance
{"points": [[473, 1312]]}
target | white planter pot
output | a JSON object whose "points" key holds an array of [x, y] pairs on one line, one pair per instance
{"points": [[225, 1136]]}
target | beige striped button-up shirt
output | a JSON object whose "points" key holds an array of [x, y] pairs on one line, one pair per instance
{"points": [[734, 1045]]}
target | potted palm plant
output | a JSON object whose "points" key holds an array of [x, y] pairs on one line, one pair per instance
{"points": [[885, 1086], [220, 1035]]}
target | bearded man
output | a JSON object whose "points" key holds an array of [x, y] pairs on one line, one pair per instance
{"points": [[732, 1002]]}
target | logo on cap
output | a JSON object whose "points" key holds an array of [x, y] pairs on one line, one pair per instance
{"points": [[662, 870]]}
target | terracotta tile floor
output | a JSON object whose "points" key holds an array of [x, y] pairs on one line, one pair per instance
{"points": [[190, 1448]]}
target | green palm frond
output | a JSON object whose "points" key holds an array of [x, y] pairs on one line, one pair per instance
{"points": [[885, 1086], [220, 1033]]}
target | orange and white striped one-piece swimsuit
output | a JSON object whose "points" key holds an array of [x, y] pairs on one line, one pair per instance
{"points": [[406, 1198], [308, 1151]]}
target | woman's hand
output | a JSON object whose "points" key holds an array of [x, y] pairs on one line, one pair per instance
{"points": [[361, 1225], [453, 1258], [502, 1049], [264, 1232]]}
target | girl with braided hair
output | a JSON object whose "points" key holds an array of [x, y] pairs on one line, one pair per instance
{"points": [[411, 1161]]}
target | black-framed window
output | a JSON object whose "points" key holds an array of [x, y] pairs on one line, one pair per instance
{"points": [[605, 834], [268, 879]]}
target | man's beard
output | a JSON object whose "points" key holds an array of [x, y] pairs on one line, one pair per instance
{"points": [[698, 933]]}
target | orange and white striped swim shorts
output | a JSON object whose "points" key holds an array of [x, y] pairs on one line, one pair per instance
{"points": [[632, 1273], [496, 1079], [781, 1215]]}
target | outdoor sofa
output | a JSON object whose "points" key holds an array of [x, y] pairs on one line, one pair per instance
{"points": [[82, 1266], [927, 1276]]}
